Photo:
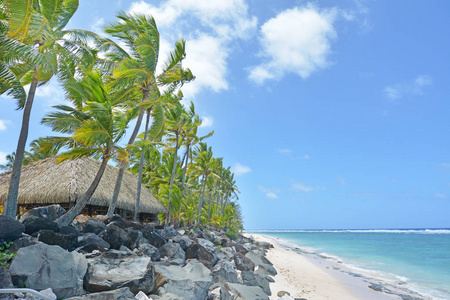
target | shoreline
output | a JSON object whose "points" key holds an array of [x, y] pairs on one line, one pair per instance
{"points": [[315, 278]]}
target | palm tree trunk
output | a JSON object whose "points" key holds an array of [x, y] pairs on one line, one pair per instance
{"points": [[209, 207], [122, 166], [200, 203], [185, 168], [174, 167], [224, 205], [141, 169], [13, 192], [68, 217]]}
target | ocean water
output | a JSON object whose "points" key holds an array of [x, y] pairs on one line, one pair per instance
{"points": [[417, 260]]}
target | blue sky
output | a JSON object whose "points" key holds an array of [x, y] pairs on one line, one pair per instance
{"points": [[332, 114]]}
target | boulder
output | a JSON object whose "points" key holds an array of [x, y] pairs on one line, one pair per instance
{"points": [[23, 242], [234, 291], [91, 226], [168, 232], [35, 224], [116, 237], [184, 241], [189, 282], [10, 229], [51, 212], [135, 236], [69, 230], [258, 259], [154, 238], [253, 279], [133, 225], [50, 237], [119, 221], [238, 247], [173, 251], [224, 271], [5, 283], [149, 250], [204, 255], [43, 266], [118, 294], [243, 263], [167, 296], [90, 242], [115, 269]]}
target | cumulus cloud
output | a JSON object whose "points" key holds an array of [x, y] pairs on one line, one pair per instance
{"points": [[269, 192], [207, 121], [3, 157], [210, 27], [97, 25], [297, 41], [299, 186], [413, 87], [52, 93], [3, 124], [239, 169]]}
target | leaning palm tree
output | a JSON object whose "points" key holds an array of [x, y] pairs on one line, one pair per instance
{"points": [[37, 30], [95, 131], [136, 69]]}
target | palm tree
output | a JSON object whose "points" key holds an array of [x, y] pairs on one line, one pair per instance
{"points": [[177, 119], [9, 162], [96, 131], [137, 69], [42, 42]]}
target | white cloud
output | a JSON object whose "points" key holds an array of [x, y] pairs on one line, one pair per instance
{"points": [[239, 169], [272, 195], [210, 27], [97, 26], [439, 195], [306, 156], [299, 186], [286, 151], [52, 92], [297, 41], [269, 192], [3, 124], [3, 158], [445, 165], [411, 88], [206, 58], [207, 122]]}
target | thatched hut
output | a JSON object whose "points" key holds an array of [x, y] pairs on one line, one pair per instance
{"points": [[49, 182]]}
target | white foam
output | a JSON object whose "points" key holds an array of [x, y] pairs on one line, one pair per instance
{"points": [[405, 231]]}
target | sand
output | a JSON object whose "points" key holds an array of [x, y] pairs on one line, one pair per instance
{"points": [[307, 278]]}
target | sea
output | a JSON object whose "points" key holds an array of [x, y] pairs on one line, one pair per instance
{"points": [[398, 261]]}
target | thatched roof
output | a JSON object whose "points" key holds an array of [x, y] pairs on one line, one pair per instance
{"points": [[48, 182]]}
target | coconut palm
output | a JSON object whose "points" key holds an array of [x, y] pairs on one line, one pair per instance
{"points": [[95, 131], [136, 69], [36, 43]]}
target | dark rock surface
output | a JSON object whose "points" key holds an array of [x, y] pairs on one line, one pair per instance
{"points": [[42, 266], [10, 229], [234, 291], [50, 212], [114, 269], [116, 237], [118, 294], [243, 263], [35, 224]]}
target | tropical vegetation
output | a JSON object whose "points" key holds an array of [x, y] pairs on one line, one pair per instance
{"points": [[106, 87]]}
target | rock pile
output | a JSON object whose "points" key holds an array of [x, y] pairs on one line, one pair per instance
{"points": [[114, 258]]}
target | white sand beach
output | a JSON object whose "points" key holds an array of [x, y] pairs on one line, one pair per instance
{"points": [[310, 279]]}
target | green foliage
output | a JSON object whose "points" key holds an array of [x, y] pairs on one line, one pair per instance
{"points": [[5, 255], [231, 235]]}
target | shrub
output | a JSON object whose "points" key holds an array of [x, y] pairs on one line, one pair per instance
{"points": [[231, 235], [5, 255]]}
